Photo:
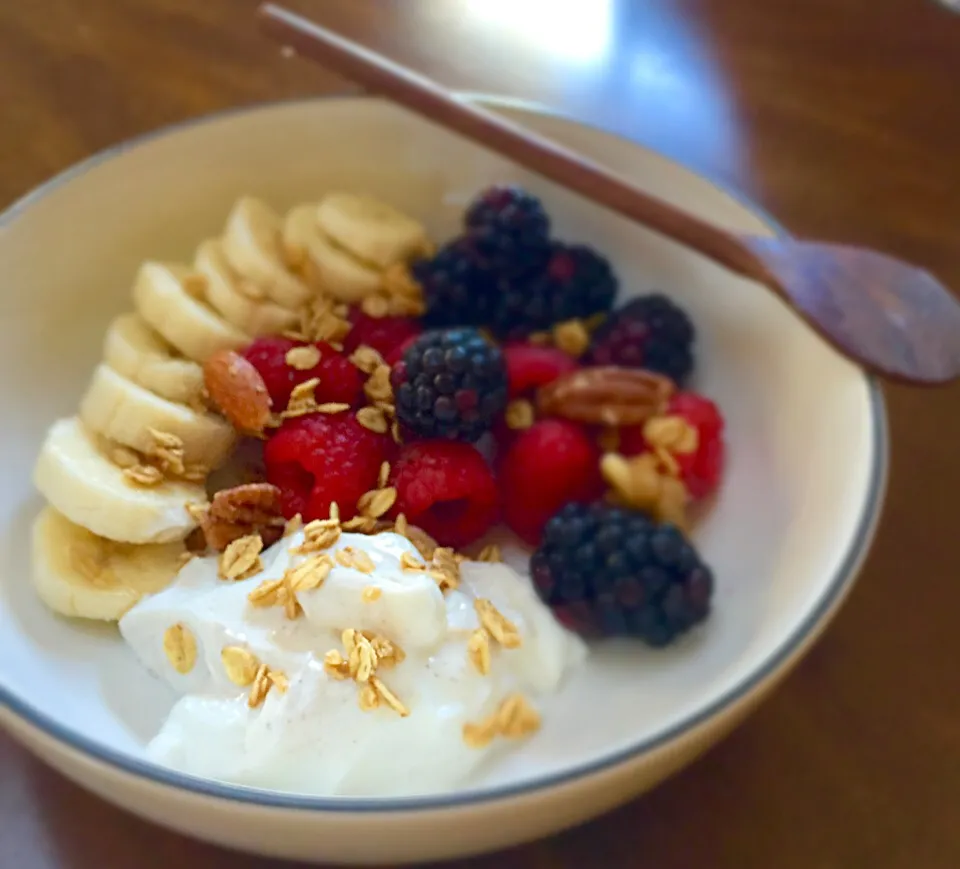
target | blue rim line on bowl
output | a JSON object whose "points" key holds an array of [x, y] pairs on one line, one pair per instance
{"points": [[835, 592]]}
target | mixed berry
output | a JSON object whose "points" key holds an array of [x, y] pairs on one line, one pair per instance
{"points": [[444, 412]]}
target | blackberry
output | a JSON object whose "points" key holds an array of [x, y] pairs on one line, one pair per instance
{"points": [[509, 230], [650, 332], [574, 282], [612, 572], [457, 289], [583, 282], [451, 384]]}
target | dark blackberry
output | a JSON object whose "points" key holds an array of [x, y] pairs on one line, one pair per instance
{"points": [[524, 304], [650, 332], [457, 289], [574, 282], [605, 571], [582, 282], [451, 384], [509, 230]]}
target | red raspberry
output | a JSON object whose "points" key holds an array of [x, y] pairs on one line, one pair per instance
{"points": [[552, 462], [530, 367], [318, 459], [383, 334], [340, 380], [447, 489], [702, 469], [396, 355]]}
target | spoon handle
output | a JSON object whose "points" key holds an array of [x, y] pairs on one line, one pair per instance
{"points": [[542, 156]]}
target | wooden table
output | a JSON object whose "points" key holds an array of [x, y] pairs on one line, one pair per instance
{"points": [[842, 118]]}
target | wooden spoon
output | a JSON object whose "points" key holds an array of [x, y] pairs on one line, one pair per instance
{"points": [[893, 318]]}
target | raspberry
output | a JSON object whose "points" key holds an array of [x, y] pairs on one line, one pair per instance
{"points": [[324, 458], [702, 469], [552, 462], [340, 380], [649, 332], [383, 334], [447, 489], [612, 572], [530, 367]]}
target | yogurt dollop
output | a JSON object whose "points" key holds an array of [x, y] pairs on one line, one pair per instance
{"points": [[309, 734]]}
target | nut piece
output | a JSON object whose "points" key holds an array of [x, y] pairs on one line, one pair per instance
{"points": [[238, 390], [180, 647], [606, 395], [253, 508]]}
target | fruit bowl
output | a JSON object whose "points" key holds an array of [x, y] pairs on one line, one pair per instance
{"points": [[785, 536]]}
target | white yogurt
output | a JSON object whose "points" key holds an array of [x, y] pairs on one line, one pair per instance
{"points": [[314, 738]]}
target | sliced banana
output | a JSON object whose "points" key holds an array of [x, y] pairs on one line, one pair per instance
{"points": [[74, 474], [134, 350], [252, 246], [372, 231], [225, 295], [166, 298], [330, 268], [123, 412], [81, 575]]}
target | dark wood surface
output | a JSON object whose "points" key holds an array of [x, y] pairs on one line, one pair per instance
{"points": [[842, 118]]}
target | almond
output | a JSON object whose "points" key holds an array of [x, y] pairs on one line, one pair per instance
{"points": [[238, 390]]}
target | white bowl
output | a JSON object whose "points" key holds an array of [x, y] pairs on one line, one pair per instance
{"points": [[806, 472]]}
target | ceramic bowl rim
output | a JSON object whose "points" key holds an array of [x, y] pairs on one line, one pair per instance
{"points": [[834, 592]]}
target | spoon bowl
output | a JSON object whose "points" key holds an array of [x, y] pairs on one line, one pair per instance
{"points": [[895, 319]]}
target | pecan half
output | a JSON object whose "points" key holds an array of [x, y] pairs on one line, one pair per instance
{"points": [[253, 508], [238, 390], [606, 395]]}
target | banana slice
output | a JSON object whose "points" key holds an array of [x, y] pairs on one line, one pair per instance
{"points": [[134, 350], [123, 412], [252, 246], [81, 575], [223, 293], [168, 298], [331, 268], [372, 231], [76, 477]]}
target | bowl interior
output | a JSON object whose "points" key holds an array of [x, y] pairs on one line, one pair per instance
{"points": [[804, 453]]}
